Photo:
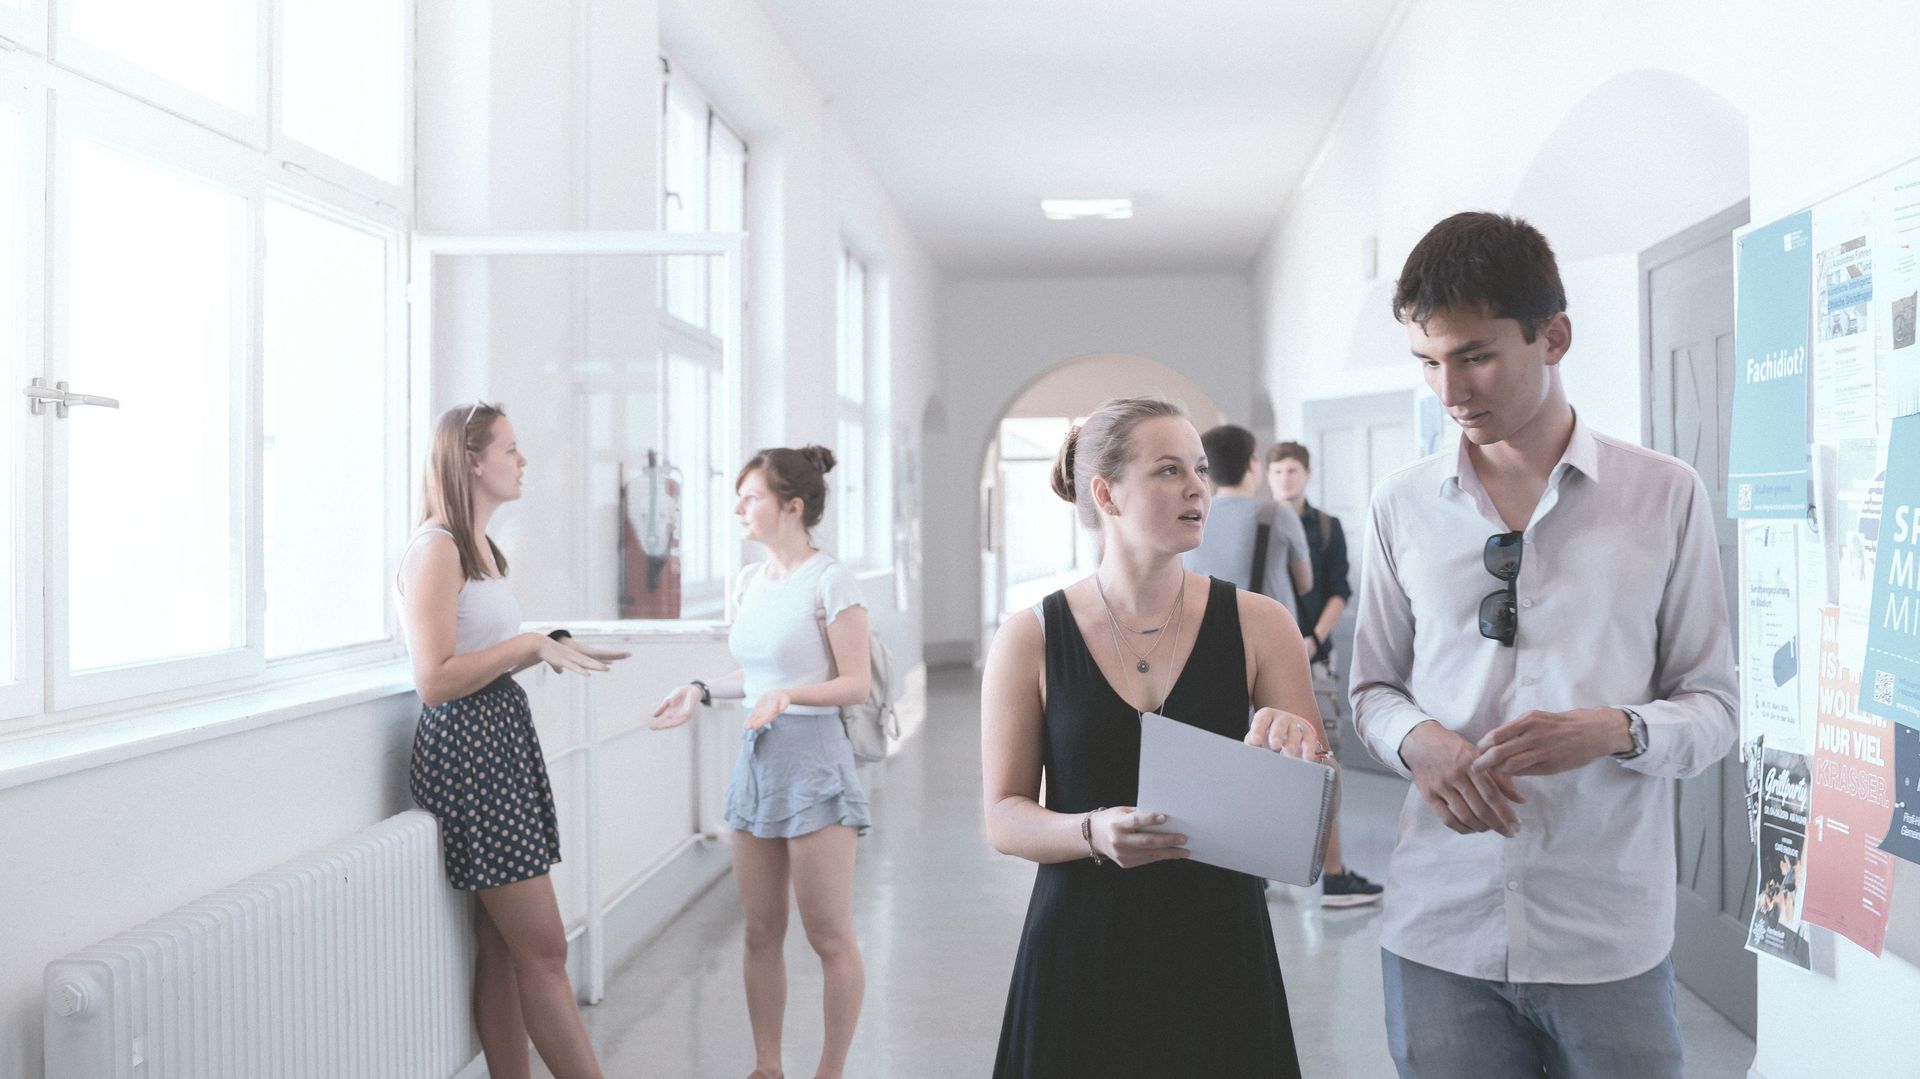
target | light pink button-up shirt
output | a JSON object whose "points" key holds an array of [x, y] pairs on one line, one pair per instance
{"points": [[1620, 605]]}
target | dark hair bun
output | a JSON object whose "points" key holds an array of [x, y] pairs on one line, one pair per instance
{"points": [[821, 457], [1063, 467]]}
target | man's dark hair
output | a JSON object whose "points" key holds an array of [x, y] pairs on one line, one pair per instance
{"points": [[1480, 261], [1229, 453], [1290, 451]]}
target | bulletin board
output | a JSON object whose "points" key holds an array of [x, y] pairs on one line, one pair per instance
{"points": [[1823, 481]]}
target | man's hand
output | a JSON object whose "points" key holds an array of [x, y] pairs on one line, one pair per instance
{"points": [[1547, 743], [1465, 798]]}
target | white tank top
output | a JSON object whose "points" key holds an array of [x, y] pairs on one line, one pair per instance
{"points": [[488, 612]]}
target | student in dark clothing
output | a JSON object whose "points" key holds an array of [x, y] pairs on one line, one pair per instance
{"points": [[1319, 607]]}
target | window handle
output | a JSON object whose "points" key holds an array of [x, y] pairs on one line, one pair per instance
{"points": [[39, 395]]}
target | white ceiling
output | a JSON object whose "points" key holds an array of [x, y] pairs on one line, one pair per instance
{"points": [[1205, 112]]}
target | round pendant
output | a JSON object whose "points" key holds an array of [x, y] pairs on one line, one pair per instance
{"points": [[1143, 666]]}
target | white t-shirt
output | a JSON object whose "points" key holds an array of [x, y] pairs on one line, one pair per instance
{"points": [[777, 636]]}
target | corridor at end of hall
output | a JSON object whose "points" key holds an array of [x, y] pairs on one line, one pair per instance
{"points": [[939, 914]]}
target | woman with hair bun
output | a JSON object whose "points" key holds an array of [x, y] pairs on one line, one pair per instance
{"points": [[1135, 962], [795, 803]]}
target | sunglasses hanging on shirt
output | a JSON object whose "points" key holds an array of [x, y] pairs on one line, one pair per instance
{"points": [[1499, 611]]}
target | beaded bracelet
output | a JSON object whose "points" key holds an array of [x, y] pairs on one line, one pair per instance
{"points": [[1086, 833]]}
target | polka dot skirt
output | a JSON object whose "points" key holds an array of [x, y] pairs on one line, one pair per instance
{"points": [[478, 769]]}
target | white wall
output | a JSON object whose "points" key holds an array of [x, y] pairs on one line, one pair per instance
{"points": [[1003, 334], [1612, 125]]}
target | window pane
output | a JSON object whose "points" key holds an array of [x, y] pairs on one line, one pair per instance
{"points": [[152, 558], [206, 46], [343, 80], [13, 371], [850, 453], [687, 452], [324, 387], [726, 203], [851, 371], [683, 208]]}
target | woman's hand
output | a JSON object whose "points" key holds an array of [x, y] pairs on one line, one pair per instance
{"points": [[1284, 732], [768, 708], [676, 709], [1119, 834], [564, 655]]}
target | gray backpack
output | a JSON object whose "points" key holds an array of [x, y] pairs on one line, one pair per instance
{"points": [[871, 725]]}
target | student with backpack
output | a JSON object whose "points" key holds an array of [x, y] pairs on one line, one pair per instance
{"points": [[800, 634], [1320, 607], [1249, 540]]}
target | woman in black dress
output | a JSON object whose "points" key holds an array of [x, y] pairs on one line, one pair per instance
{"points": [[1135, 962]]}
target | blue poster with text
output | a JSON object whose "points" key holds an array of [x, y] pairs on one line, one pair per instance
{"points": [[1767, 461], [1890, 677]]}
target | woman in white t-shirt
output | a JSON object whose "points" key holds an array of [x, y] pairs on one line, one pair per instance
{"points": [[795, 804]]}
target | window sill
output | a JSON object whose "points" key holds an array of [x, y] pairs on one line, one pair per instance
{"points": [[48, 754]]}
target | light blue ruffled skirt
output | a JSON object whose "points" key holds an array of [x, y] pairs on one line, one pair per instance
{"points": [[795, 776]]}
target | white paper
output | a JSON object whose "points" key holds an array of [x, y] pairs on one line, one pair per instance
{"points": [[1896, 292], [1843, 307], [1241, 807], [1769, 632]]}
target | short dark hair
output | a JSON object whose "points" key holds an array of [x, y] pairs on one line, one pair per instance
{"points": [[1290, 451], [1481, 261], [1229, 453]]}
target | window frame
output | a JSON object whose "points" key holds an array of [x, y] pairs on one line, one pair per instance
{"points": [[25, 694], [62, 101], [248, 126]]}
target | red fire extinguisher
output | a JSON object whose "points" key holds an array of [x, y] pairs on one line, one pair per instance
{"points": [[650, 541]]}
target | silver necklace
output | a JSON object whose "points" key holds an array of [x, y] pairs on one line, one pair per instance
{"points": [[1140, 658], [1175, 619]]}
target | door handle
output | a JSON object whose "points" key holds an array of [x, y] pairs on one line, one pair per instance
{"points": [[39, 395]]}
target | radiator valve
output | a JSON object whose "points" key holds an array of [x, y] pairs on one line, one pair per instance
{"points": [[69, 999]]}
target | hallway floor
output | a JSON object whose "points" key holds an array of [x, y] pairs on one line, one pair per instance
{"points": [[939, 914]]}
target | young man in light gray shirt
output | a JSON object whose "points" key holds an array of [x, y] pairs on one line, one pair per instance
{"points": [[1233, 525], [1542, 647]]}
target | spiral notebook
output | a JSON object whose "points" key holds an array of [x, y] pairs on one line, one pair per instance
{"points": [[1241, 807]]}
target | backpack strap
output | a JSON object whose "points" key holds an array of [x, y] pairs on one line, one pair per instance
{"points": [[1262, 534]]}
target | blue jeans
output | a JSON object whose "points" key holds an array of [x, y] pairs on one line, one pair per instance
{"points": [[1449, 1026]]}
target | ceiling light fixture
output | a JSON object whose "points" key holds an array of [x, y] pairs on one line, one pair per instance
{"points": [[1087, 209]]}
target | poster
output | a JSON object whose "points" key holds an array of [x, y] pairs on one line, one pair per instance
{"points": [[1861, 479], [1890, 677], [1849, 878], [1767, 459], [1844, 370], [1777, 927], [1897, 289], [1769, 632], [1903, 829]]}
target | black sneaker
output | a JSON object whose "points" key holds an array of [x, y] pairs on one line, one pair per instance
{"points": [[1348, 890]]}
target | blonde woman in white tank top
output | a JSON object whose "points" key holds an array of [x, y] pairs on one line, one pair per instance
{"points": [[500, 838]]}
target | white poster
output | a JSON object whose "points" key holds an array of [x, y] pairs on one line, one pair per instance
{"points": [[1843, 339], [1896, 291], [1861, 478], [1769, 635]]}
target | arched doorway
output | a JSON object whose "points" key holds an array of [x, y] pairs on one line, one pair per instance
{"points": [[1030, 543]]}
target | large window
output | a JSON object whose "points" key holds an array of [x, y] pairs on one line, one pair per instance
{"points": [[862, 431], [703, 188], [198, 236]]}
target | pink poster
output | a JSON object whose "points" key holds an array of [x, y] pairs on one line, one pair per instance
{"points": [[1849, 879]]}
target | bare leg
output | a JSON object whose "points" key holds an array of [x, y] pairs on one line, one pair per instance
{"points": [[760, 872], [1332, 862], [496, 1001], [528, 919], [823, 887]]}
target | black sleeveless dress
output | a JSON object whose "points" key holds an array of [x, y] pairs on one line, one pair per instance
{"points": [[1164, 971]]}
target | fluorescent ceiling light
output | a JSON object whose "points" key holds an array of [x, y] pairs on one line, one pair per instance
{"points": [[1087, 209]]}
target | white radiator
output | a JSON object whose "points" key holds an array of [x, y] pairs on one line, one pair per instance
{"points": [[352, 962]]}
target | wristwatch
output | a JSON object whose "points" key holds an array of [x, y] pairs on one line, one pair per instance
{"points": [[1636, 730], [706, 694]]}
